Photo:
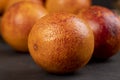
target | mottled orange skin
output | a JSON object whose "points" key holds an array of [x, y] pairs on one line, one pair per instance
{"points": [[18, 21], [3, 3], [106, 27], [11, 2], [61, 43], [72, 6]]}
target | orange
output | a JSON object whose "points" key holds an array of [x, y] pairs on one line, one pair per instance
{"points": [[11, 2], [61, 43], [18, 21], [72, 6]]}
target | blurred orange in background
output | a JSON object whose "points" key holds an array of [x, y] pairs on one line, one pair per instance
{"points": [[11, 2], [18, 21], [72, 6]]}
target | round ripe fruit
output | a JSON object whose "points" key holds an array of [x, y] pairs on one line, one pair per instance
{"points": [[106, 27], [18, 21], [61, 43], [11, 2], [72, 6]]}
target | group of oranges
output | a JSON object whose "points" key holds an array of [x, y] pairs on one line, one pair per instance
{"points": [[61, 35]]}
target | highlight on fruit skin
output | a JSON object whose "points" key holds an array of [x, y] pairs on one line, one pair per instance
{"points": [[61, 43], [17, 22], [71, 6], [106, 28]]}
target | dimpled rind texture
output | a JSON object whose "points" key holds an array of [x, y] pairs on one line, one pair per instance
{"points": [[61, 43]]}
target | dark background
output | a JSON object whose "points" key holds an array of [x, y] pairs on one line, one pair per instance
{"points": [[106, 3], [20, 66]]}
